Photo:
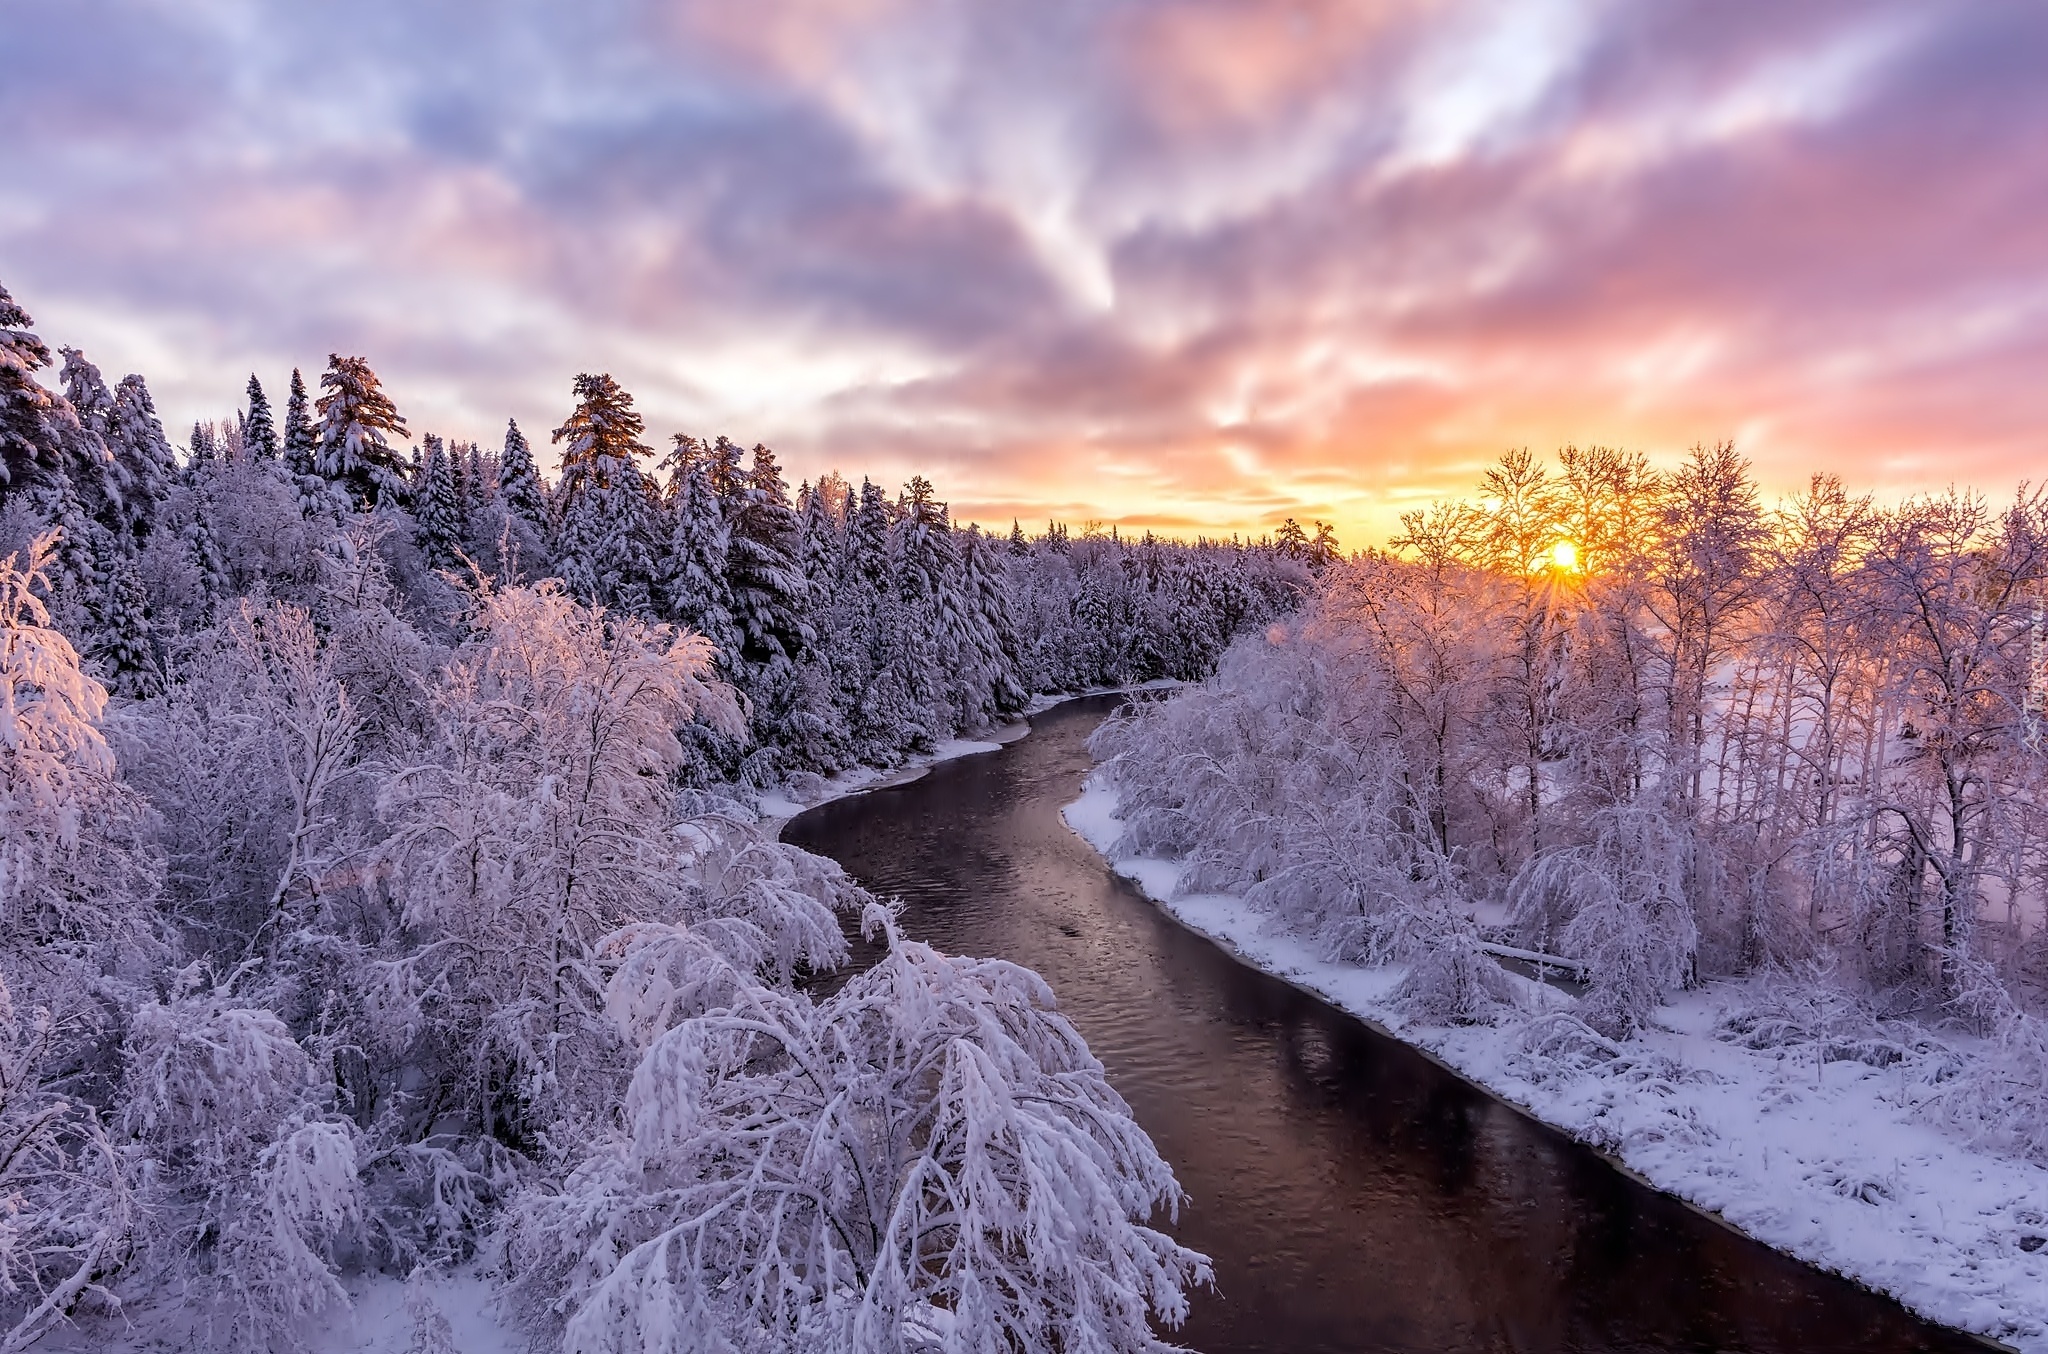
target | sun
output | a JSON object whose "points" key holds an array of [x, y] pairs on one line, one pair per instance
{"points": [[1565, 556]]}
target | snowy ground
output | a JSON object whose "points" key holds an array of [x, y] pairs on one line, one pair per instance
{"points": [[386, 1316], [1823, 1160]]}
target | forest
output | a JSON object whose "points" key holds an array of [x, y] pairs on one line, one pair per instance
{"points": [[383, 885], [1673, 737]]}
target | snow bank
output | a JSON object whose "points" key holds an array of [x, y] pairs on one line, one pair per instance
{"points": [[1822, 1160], [780, 804]]}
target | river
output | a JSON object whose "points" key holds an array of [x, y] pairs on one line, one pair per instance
{"points": [[1353, 1194]]}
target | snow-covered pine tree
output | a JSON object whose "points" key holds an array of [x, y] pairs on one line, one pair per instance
{"points": [[996, 683], [519, 483], [355, 418], [204, 548], [29, 446], [1020, 544], [924, 563], [102, 481], [438, 506], [300, 441], [694, 589], [821, 546], [866, 559], [605, 501], [124, 644], [259, 428], [725, 467], [204, 449], [770, 598], [138, 443]]}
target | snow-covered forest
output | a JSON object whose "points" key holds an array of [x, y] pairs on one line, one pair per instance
{"points": [[382, 885], [1647, 723], [1782, 763]]}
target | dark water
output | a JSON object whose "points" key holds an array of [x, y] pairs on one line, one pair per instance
{"points": [[1353, 1195]]}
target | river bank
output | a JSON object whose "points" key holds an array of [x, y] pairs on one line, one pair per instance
{"points": [[1820, 1160]]}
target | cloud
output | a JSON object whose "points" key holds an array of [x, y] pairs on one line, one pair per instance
{"points": [[1196, 264]]}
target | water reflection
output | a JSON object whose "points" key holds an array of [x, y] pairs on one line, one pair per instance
{"points": [[1354, 1195]]}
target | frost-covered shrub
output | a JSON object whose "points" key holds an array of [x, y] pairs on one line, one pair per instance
{"points": [[257, 1187], [1999, 1097], [1453, 982], [930, 1158], [1619, 904], [68, 1222], [78, 876]]}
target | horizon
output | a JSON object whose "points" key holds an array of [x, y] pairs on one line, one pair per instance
{"points": [[1191, 269]]}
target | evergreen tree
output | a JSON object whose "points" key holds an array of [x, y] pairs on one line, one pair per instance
{"points": [[769, 593], [205, 550], [605, 501], [725, 470], [438, 507], [866, 561], [695, 593], [821, 546], [355, 418], [123, 645], [1020, 545], [259, 431], [519, 482], [992, 663], [139, 444], [1291, 540], [102, 481], [299, 440], [204, 449], [29, 448], [479, 482]]}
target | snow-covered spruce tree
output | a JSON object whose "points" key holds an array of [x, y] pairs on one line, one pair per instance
{"points": [[101, 481], [31, 418], [694, 591], [769, 593], [928, 1159], [604, 501], [300, 456], [988, 669], [438, 507], [202, 452], [125, 645], [356, 419], [138, 443], [259, 428], [519, 483], [533, 824]]}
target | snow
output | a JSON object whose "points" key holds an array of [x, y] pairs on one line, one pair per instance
{"points": [[381, 1319], [779, 805], [1822, 1160], [1040, 704]]}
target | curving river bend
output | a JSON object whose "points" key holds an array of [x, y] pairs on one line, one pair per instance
{"points": [[1353, 1194]]}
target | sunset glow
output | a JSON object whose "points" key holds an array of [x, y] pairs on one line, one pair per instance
{"points": [[1191, 266]]}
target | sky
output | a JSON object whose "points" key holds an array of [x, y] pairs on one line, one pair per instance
{"points": [[1186, 265]]}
